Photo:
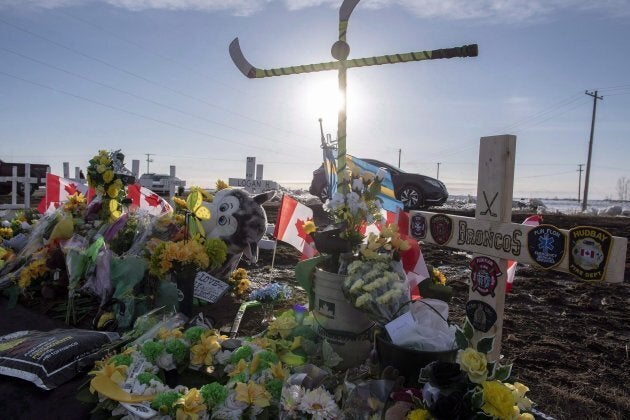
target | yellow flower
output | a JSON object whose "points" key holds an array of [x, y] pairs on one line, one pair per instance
{"points": [[104, 159], [253, 367], [112, 191], [32, 271], [437, 276], [297, 342], [356, 171], [6, 232], [101, 168], [202, 352], [190, 405], [518, 391], [278, 371], [108, 176], [524, 416], [240, 367], [309, 227], [418, 414], [252, 394], [165, 333], [180, 202], [221, 185], [498, 400], [474, 364], [265, 343], [118, 374], [282, 325], [400, 244]]}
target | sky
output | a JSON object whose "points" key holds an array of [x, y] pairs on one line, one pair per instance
{"points": [[154, 77]]}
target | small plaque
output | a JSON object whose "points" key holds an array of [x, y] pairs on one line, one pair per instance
{"points": [[546, 244], [481, 315], [209, 288]]}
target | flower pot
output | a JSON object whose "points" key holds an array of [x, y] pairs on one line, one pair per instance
{"points": [[346, 328], [408, 361]]}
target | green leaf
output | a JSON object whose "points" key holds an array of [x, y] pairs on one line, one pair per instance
{"points": [[12, 293], [503, 372], [468, 329], [460, 339], [476, 399], [490, 367], [485, 344]]}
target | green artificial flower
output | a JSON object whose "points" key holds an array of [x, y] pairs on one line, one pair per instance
{"points": [[217, 252], [274, 386], [179, 350], [164, 402], [266, 359], [213, 394], [243, 352], [121, 359], [145, 378], [152, 350], [304, 331], [193, 334]]}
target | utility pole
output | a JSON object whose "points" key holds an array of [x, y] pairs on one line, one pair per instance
{"points": [[149, 160], [580, 180], [590, 147], [399, 152], [438, 171]]}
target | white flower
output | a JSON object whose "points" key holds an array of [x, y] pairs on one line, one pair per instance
{"points": [[356, 286], [165, 361], [320, 404], [381, 174], [362, 300], [357, 184], [430, 394], [222, 357], [291, 397]]}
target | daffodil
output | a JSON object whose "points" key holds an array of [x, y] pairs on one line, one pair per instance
{"points": [[252, 394]]}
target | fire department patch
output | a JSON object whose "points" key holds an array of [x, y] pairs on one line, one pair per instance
{"points": [[484, 274], [481, 315], [441, 227], [589, 248], [546, 245], [418, 226]]}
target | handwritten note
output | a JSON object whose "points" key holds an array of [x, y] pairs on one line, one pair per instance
{"points": [[400, 328], [209, 288]]}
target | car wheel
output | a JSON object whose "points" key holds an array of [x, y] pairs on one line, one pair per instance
{"points": [[411, 197], [323, 194]]}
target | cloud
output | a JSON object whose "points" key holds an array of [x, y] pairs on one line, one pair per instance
{"points": [[496, 10]]}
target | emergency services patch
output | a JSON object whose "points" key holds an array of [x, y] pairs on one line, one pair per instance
{"points": [[484, 275], [589, 248], [481, 315], [418, 226], [441, 227], [546, 245]]}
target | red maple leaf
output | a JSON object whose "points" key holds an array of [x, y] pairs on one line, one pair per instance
{"points": [[71, 189], [299, 225], [152, 200]]}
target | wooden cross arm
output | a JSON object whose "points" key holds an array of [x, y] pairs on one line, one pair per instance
{"points": [[255, 73]]}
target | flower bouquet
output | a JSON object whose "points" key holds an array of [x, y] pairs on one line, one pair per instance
{"points": [[469, 387]]}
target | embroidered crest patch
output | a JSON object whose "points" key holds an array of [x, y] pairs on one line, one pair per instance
{"points": [[418, 226], [441, 227], [484, 274], [481, 315], [546, 245], [589, 248]]}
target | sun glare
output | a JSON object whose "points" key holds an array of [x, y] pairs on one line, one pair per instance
{"points": [[324, 100]]}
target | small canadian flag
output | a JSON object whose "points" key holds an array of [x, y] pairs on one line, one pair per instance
{"points": [[289, 226], [145, 199], [58, 191]]}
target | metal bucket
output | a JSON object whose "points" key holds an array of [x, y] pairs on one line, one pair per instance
{"points": [[346, 328]]}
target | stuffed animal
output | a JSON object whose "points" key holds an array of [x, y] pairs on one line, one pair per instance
{"points": [[240, 221]]}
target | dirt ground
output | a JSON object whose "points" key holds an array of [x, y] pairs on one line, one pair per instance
{"points": [[568, 340]]}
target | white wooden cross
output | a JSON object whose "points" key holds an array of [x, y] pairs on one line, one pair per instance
{"points": [[587, 252]]}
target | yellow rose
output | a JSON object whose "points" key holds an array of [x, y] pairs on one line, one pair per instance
{"points": [[108, 176], [518, 391], [101, 168], [498, 400], [474, 364], [113, 191]]}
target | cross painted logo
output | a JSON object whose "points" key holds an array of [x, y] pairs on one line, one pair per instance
{"points": [[589, 248], [484, 274], [418, 226], [546, 245], [441, 227]]}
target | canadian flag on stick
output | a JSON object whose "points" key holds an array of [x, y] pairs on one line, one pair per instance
{"points": [[59, 189], [145, 199], [289, 226]]}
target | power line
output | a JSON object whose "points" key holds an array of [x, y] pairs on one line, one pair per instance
{"points": [[130, 73], [142, 98], [135, 113]]}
